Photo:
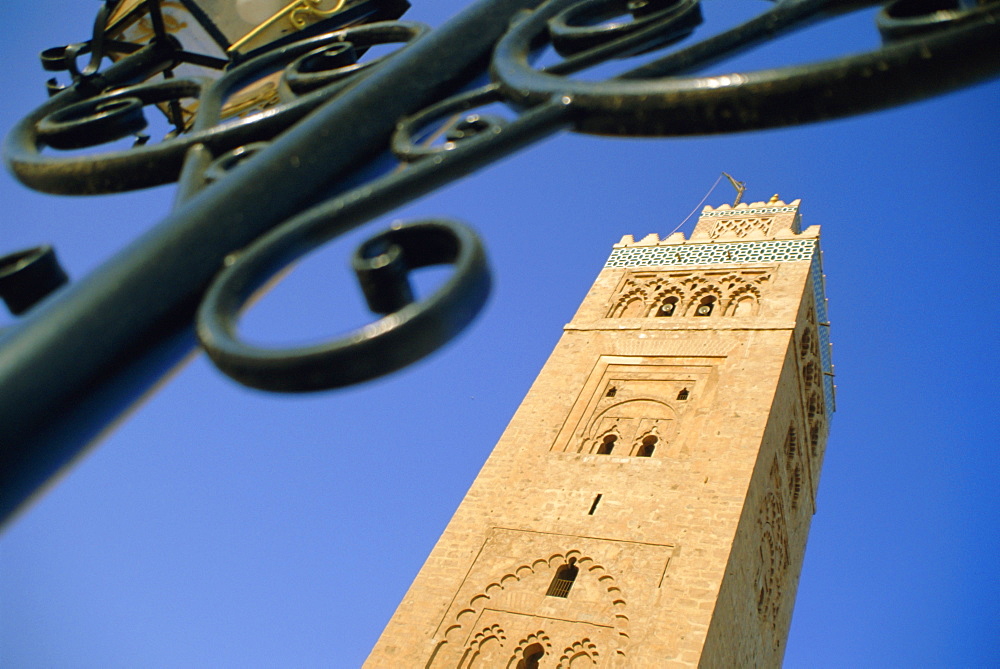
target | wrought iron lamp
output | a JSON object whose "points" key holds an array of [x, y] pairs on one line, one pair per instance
{"points": [[341, 142]]}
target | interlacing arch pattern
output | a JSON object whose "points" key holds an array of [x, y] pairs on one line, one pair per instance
{"points": [[583, 653], [795, 485], [794, 457], [743, 227], [810, 373], [812, 383], [815, 406], [523, 651], [588, 568], [807, 344], [475, 655], [681, 293], [791, 446], [632, 305], [773, 565]]}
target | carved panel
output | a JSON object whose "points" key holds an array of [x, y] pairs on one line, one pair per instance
{"points": [[774, 560], [580, 655], [676, 294], [503, 598], [623, 403], [742, 227]]}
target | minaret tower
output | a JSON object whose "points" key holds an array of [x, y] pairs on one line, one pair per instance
{"points": [[648, 504]]}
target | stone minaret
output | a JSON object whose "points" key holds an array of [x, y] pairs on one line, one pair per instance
{"points": [[648, 504]]}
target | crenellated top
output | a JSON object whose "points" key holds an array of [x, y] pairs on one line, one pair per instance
{"points": [[774, 205], [757, 221]]}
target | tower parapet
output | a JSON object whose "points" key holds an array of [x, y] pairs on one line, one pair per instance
{"points": [[758, 220]]}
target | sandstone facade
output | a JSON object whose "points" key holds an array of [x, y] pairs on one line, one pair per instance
{"points": [[649, 503]]}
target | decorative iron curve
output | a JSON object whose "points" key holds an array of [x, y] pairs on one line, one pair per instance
{"points": [[312, 147]]}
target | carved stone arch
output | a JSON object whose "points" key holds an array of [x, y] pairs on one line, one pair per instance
{"points": [[647, 441], [629, 305], [795, 486], [631, 300], [774, 558], [744, 301], [730, 283], [486, 649], [791, 446], [626, 419], [693, 284], [580, 654], [606, 442], [701, 297], [814, 429], [660, 284], [483, 599], [672, 296], [814, 406], [807, 343], [810, 374], [523, 651]]}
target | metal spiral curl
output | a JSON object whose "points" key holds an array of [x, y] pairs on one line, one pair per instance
{"points": [[343, 147], [459, 128], [654, 100], [407, 331], [147, 165], [590, 23]]}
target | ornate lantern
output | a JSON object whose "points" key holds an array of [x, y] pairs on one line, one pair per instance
{"points": [[231, 30], [209, 35]]}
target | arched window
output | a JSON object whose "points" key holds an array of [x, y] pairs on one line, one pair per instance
{"points": [[532, 654], [791, 446], [562, 582], [683, 394], [648, 446], [607, 445], [612, 391], [796, 486], [743, 305], [668, 307], [806, 343], [706, 306], [633, 307]]}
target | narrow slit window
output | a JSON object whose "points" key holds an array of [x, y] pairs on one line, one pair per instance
{"points": [[563, 581], [593, 507]]}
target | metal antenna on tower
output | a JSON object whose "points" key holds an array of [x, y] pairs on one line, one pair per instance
{"points": [[740, 187]]}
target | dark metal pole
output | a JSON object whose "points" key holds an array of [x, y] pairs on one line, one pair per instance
{"points": [[83, 357]]}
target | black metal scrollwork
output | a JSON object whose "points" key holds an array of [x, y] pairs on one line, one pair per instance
{"points": [[344, 136], [407, 331]]}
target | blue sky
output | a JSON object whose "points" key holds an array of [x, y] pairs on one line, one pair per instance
{"points": [[220, 526]]}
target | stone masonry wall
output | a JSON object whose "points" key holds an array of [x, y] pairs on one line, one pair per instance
{"points": [[687, 537]]}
